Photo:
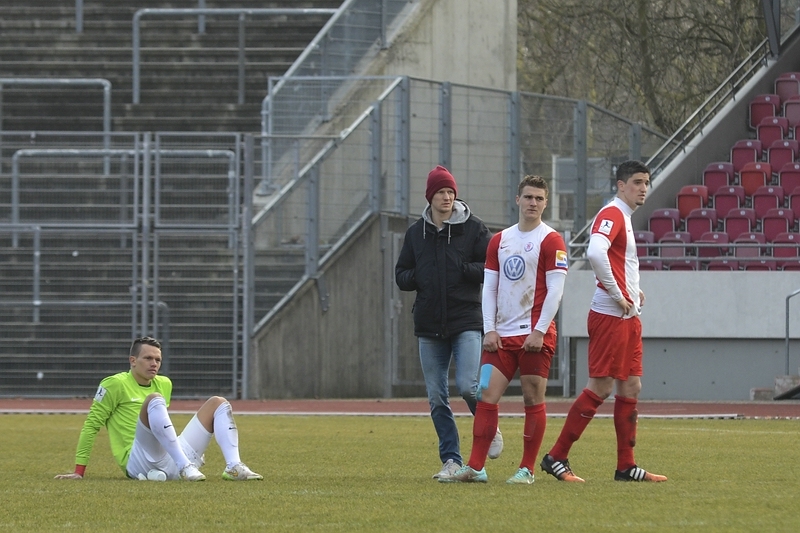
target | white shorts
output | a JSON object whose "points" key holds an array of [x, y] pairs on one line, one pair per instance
{"points": [[148, 454]]}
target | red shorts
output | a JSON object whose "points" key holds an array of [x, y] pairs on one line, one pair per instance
{"points": [[512, 357], [615, 346]]}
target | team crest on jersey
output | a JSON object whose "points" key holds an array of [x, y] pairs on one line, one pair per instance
{"points": [[528, 246], [100, 394], [605, 226], [514, 267], [561, 259]]}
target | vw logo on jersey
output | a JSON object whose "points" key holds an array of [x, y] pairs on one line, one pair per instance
{"points": [[514, 267]]}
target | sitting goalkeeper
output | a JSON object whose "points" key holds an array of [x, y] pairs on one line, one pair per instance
{"points": [[133, 407]]}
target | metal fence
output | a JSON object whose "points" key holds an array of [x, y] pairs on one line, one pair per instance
{"points": [[91, 258], [374, 151]]}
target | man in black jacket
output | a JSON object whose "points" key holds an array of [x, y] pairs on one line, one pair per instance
{"points": [[442, 260]]}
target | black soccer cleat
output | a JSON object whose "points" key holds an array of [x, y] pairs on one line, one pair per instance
{"points": [[635, 473], [559, 469]]}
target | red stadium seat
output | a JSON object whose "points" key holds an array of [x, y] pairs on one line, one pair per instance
{"points": [[673, 244], [727, 198], [715, 238], [794, 202], [691, 197], [684, 263], [717, 175], [766, 198], [787, 85], [701, 221], [785, 248], [754, 175], [781, 152], [791, 264], [738, 221], [723, 263], [650, 263], [761, 106], [745, 151], [777, 221], [760, 264], [791, 110], [643, 239], [746, 245], [772, 129], [789, 177], [662, 221]]}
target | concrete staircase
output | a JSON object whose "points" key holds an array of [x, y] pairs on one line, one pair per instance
{"points": [[189, 81]]}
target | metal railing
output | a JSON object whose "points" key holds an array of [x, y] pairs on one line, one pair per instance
{"points": [[694, 125], [105, 84], [239, 12]]}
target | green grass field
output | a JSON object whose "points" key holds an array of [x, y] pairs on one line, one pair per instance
{"points": [[374, 474]]}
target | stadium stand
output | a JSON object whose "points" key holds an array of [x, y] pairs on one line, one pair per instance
{"points": [[789, 177], [717, 238], [178, 90]]}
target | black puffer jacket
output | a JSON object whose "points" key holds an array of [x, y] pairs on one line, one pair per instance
{"points": [[446, 269]]}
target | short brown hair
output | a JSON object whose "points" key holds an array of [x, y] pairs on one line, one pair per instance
{"points": [[537, 182], [137, 344]]}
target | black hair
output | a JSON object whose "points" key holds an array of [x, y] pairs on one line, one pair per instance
{"points": [[628, 168]]}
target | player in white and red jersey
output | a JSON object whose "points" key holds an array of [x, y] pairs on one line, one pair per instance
{"points": [[523, 281], [615, 332]]}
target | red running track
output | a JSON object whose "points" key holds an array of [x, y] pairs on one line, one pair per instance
{"points": [[419, 407]]}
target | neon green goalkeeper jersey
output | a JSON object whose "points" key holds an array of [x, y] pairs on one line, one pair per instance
{"points": [[116, 406]]}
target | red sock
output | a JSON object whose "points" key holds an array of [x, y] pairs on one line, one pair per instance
{"points": [[579, 416], [532, 434], [625, 420], [483, 429]]}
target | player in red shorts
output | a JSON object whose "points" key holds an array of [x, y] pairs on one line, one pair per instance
{"points": [[526, 266], [615, 332]]}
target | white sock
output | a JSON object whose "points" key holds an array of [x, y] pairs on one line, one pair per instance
{"points": [[226, 434], [164, 431]]}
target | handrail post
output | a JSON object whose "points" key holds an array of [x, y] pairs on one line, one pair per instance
{"points": [[78, 16], [795, 293], [241, 57]]}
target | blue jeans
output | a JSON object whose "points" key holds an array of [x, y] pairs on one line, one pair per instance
{"points": [[435, 355]]}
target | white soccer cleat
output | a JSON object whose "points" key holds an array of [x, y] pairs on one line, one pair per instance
{"points": [[449, 468], [240, 472], [496, 448], [191, 473]]}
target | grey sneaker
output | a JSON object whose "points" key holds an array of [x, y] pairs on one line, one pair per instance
{"points": [[467, 474], [496, 448], [449, 468], [240, 472], [191, 473]]}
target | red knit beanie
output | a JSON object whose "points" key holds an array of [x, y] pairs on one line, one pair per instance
{"points": [[439, 178]]}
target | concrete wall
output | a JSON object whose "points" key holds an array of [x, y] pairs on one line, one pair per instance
{"points": [[707, 335], [470, 42], [308, 352]]}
